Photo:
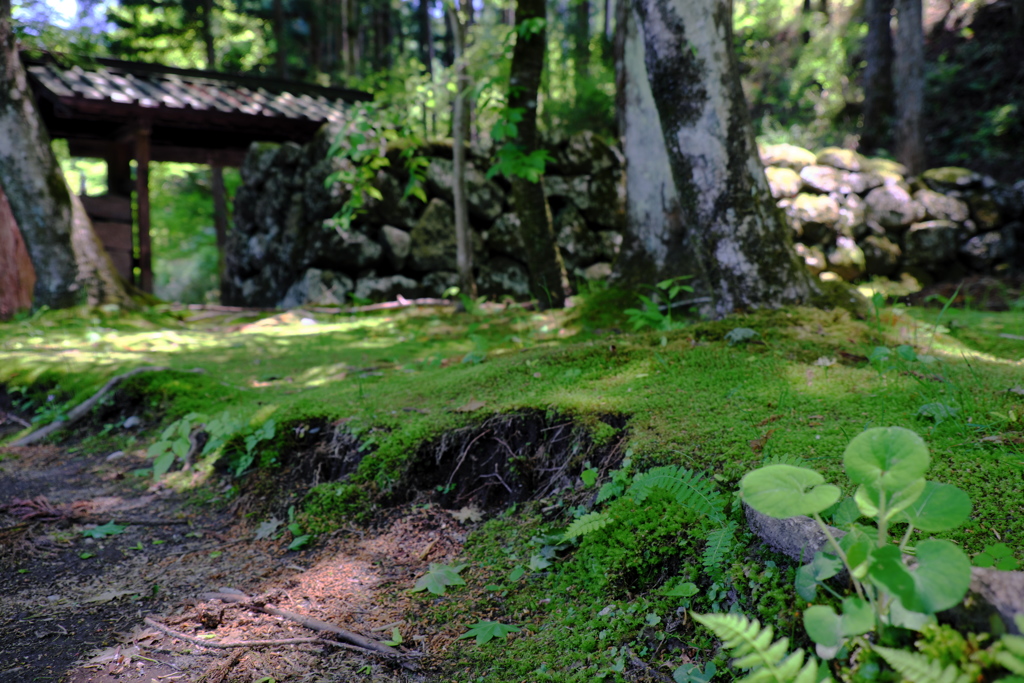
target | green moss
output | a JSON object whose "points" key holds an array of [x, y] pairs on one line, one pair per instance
{"points": [[335, 505]]}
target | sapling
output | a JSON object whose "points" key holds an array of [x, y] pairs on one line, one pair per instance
{"points": [[895, 583]]}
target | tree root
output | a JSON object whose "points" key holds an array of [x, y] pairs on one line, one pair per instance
{"points": [[83, 408]]}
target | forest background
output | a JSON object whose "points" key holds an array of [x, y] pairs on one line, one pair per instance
{"points": [[804, 66]]}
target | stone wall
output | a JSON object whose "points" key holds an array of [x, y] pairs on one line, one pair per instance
{"points": [[281, 254], [852, 217]]}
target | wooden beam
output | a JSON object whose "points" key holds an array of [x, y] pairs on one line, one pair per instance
{"points": [[119, 169], [142, 200], [231, 157]]}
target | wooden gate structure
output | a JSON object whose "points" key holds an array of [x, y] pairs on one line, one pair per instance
{"points": [[130, 111]]}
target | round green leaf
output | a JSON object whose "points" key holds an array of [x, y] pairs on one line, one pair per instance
{"points": [[823, 625], [939, 581], [784, 491], [890, 456], [940, 507], [870, 497]]}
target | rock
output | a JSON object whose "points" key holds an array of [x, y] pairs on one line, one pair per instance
{"points": [[837, 157], [983, 251], [784, 182], [585, 153], [484, 197], [432, 244], [579, 245], [852, 216], [813, 257], [826, 180], [829, 276], [392, 208], [396, 244], [941, 207], [950, 178], [892, 207], [930, 244], [317, 287], [814, 217], [611, 243], [598, 271], [886, 167], [574, 188], [505, 236], [607, 200], [881, 255], [258, 161], [386, 288], [348, 249], [502, 275], [984, 211], [787, 156], [846, 259], [1009, 200], [437, 283]]}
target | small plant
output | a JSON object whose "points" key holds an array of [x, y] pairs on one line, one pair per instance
{"points": [[439, 577], [650, 314], [754, 649], [888, 465], [105, 530], [485, 631]]}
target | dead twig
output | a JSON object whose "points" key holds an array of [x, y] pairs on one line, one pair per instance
{"points": [[83, 408], [230, 644]]}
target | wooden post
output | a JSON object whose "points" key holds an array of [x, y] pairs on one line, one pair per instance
{"points": [[142, 199]]}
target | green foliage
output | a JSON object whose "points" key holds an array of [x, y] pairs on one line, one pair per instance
{"points": [[105, 530], [888, 465], [650, 314], [999, 556], [332, 505], [439, 577], [919, 668], [485, 631], [741, 335], [754, 649], [592, 521]]}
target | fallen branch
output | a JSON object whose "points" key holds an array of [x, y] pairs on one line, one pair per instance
{"points": [[307, 622], [83, 408], [229, 644]]}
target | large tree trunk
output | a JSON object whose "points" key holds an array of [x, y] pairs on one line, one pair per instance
{"points": [[548, 281], [877, 75], [698, 202], [426, 35], [52, 221], [909, 77], [460, 135], [581, 42]]}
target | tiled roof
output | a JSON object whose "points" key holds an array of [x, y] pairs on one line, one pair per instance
{"points": [[168, 91]]}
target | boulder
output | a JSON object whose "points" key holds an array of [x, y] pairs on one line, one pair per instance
{"points": [[484, 197], [597, 271], [941, 207], [881, 255], [432, 245], [826, 180], [574, 188], [886, 167], [386, 288], [846, 259], [951, 178], [585, 153], [505, 236], [319, 288], [814, 217], [440, 281], [607, 200], [787, 156], [812, 256], [392, 208], [930, 244], [852, 216], [396, 244], [784, 182], [349, 250], [985, 250], [837, 157], [502, 275], [579, 245], [892, 207], [258, 160], [984, 211]]}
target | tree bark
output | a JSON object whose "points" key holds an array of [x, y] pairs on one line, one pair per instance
{"points": [[581, 42], [878, 93], [909, 77], [57, 233], [460, 134], [426, 35], [698, 202], [548, 281], [17, 277]]}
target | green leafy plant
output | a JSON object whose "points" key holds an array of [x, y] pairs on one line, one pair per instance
{"points": [[439, 577], [741, 335], [887, 465], [650, 313], [396, 638], [485, 631], [754, 649], [998, 555], [105, 530]]}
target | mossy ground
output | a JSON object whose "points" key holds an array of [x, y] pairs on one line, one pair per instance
{"points": [[397, 380]]}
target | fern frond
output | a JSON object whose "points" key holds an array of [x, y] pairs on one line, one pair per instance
{"points": [[1011, 655], [690, 489], [753, 649], [611, 489], [920, 668], [719, 543], [588, 523]]}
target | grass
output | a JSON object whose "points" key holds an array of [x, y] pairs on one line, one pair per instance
{"points": [[803, 389]]}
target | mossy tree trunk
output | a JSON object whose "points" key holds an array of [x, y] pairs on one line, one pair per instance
{"points": [[548, 281], [698, 202], [878, 93], [909, 77], [70, 264]]}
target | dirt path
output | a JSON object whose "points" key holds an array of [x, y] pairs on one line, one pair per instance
{"points": [[72, 608]]}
